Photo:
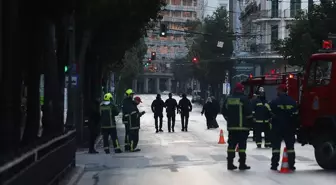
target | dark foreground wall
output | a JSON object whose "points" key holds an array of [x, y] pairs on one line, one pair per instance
{"points": [[42, 165]]}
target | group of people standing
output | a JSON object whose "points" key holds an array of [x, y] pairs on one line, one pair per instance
{"points": [[104, 113], [279, 116], [183, 107]]}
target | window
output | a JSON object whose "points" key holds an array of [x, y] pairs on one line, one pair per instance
{"points": [[176, 2], [187, 2], [274, 34], [275, 8], [295, 7], [176, 13], [320, 73], [187, 14]]}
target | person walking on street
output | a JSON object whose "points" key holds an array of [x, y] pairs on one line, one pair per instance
{"points": [[135, 126], [157, 108], [171, 107], [108, 111], [94, 125], [216, 108], [209, 111], [261, 117], [184, 107], [238, 114], [127, 107], [284, 109]]}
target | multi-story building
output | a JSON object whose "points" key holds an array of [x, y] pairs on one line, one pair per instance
{"points": [[263, 22], [158, 75]]}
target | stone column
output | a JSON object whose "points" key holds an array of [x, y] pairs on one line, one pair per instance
{"points": [[157, 85], [146, 85], [169, 84], [135, 85]]}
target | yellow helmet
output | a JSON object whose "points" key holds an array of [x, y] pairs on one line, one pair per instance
{"points": [[129, 92], [108, 97]]}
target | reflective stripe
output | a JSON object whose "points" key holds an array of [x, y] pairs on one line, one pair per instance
{"points": [[117, 143], [249, 116], [253, 112], [268, 143], [275, 151], [290, 151], [268, 107], [132, 145], [297, 112], [242, 151], [238, 128], [126, 114], [231, 150], [259, 143], [286, 107], [134, 112], [106, 148], [261, 121]]}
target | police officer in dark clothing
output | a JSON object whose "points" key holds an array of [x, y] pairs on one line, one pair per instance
{"points": [[238, 114], [134, 126], [127, 107], [184, 107], [284, 111], [108, 111], [261, 117], [94, 126], [209, 111], [157, 108], [171, 107]]}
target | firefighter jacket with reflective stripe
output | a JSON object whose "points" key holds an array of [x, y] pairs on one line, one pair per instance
{"points": [[134, 120], [108, 111], [261, 111], [237, 112], [128, 106], [284, 110]]}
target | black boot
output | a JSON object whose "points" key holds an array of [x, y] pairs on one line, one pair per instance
{"points": [[230, 165], [157, 131], [107, 151], [242, 165], [117, 151]]}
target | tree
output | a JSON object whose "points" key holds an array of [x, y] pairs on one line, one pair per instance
{"points": [[307, 32], [213, 60]]}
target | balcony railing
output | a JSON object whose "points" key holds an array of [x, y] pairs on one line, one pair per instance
{"points": [[181, 8], [177, 19], [275, 14]]}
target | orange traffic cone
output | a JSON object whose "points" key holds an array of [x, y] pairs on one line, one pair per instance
{"points": [[221, 137], [237, 148], [284, 165]]}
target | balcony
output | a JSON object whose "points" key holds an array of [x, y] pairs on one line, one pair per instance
{"points": [[181, 8], [177, 19], [269, 15]]}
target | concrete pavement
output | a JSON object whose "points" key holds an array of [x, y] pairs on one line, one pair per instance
{"points": [[191, 158]]}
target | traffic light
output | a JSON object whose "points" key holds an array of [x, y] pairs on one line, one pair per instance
{"points": [[327, 44], [146, 64], [195, 60], [149, 60], [153, 56], [65, 69], [163, 30]]}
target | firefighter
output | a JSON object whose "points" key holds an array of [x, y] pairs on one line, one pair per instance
{"points": [[238, 114], [157, 108], [284, 111], [127, 107], [134, 126], [171, 107], [261, 117], [108, 111], [184, 107]]}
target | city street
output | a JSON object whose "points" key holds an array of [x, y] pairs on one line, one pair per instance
{"points": [[193, 157]]}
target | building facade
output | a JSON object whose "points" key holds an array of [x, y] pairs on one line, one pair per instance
{"points": [[158, 74]]}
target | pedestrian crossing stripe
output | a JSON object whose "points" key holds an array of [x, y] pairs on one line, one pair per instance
{"points": [[316, 104]]}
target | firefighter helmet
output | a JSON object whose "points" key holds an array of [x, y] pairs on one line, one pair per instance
{"points": [[129, 92], [108, 97]]}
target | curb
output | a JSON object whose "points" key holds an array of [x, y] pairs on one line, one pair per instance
{"points": [[76, 176]]}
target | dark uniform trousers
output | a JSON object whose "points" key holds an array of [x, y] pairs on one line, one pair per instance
{"points": [[171, 121], [289, 138], [261, 126], [127, 137], [184, 120], [237, 137], [158, 117], [134, 138], [106, 132]]}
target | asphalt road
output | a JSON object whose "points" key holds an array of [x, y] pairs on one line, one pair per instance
{"points": [[193, 158]]}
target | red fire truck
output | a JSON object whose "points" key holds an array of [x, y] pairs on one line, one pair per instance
{"points": [[315, 92]]}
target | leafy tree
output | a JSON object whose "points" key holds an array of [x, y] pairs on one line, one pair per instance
{"points": [[213, 60], [307, 32]]}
